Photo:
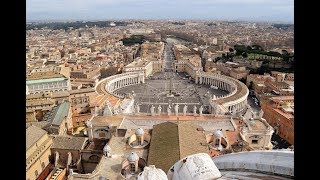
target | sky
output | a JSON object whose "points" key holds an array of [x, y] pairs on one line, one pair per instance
{"points": [[247, 10]]}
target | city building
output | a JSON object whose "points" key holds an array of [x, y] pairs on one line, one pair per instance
{"points": [[186, 60], [257, 133], [66, 152], [59, 120], [40, 82], [38, 153], [279, 113]]}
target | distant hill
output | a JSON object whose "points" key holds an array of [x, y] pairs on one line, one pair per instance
{"points": [[74, 25], [283, 26]]}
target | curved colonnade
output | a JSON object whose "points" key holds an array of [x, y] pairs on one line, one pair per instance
{"points": [[236, 100], [115, 82]]}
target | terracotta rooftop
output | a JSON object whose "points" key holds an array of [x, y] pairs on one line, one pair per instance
{"points": [[282, 98], [286, 115], [279, 84], [68, 142], [104, 120]]}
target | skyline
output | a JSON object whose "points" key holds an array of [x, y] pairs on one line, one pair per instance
{"points": [[230, 10]]}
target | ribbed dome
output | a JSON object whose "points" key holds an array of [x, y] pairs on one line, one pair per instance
{"points": [[133, 157], [152, 173], [217, 133], [139, 131], [196, 167]]}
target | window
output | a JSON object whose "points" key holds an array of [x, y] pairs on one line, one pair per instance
{"points": [[132, 168], [217, 142], [254, 141], [36, 173], [43, 165]]}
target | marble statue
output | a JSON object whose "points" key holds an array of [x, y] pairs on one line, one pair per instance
{"points": [[176, 109], [200, 110], [194, 110], [169, 110], [159, 110], [137, 108], [107, 150], [215, 109], [152, 110], [185, 107]]}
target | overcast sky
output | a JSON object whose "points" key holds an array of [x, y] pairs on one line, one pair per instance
{"points": [[253, 10]]}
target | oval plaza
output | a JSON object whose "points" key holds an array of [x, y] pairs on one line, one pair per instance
{"points": [[182, 88]]}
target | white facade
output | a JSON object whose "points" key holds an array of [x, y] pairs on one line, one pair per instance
{"points": [[47, 85]]}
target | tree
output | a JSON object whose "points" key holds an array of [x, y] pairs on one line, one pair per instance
{"points": [[223, 56], [284, 52], [249, 48], [257, 47], [231, 50], [240, 49], [244, 54]]}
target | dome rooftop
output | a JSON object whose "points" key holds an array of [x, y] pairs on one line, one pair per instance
{"points": [[133, 157], [196, 167], [152, 173], [217, 133], [139, 131]]}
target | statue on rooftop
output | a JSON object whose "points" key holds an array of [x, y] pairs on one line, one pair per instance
{"points": [[137, 108], [159, 110], [194, 110], [200, 110], [176, 109], [152, 110], [185, 107], [169, 110]]}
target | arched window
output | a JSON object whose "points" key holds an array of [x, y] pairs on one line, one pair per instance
{"points": [[217, 142], [132, 167]]}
